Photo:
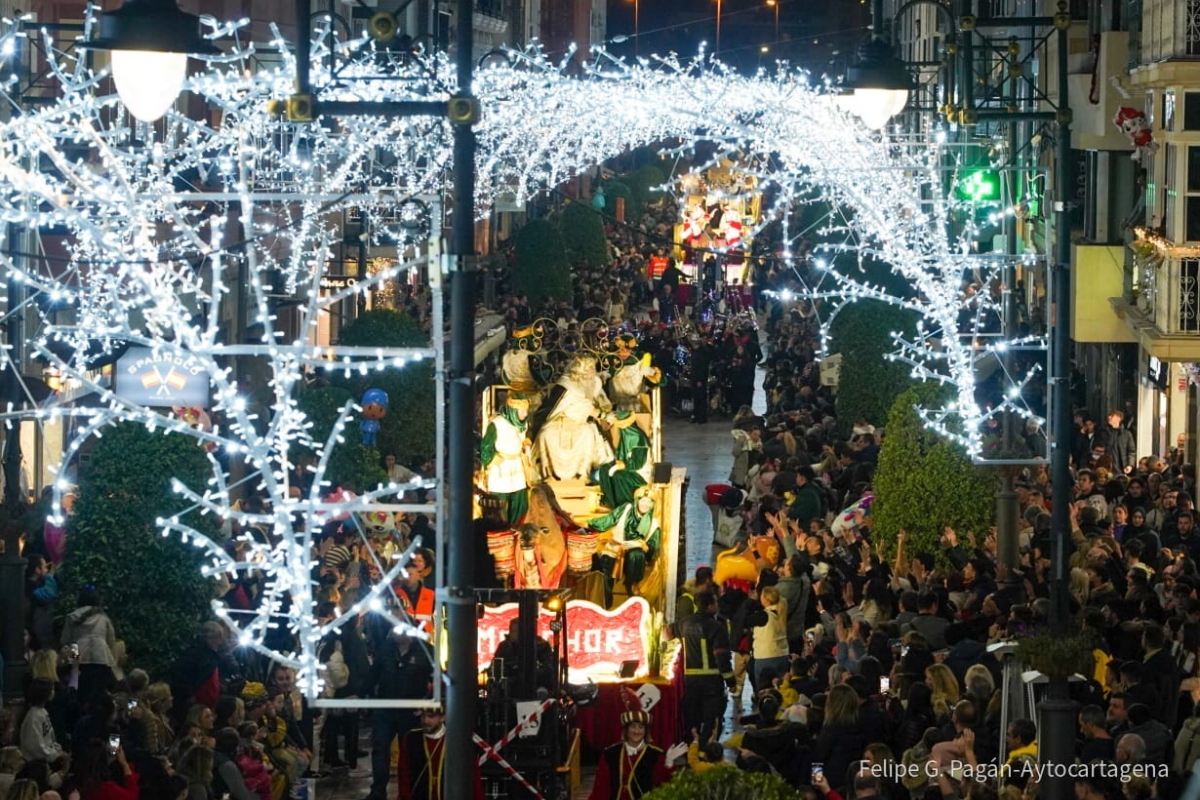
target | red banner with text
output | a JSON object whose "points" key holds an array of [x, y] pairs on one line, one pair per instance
{"points": [[598, 640]]}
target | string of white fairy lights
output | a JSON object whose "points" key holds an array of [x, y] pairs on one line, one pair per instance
{"points": [[164, 223]]}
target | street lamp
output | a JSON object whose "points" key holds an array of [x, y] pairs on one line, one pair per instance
{"points": [[775, 5], [150, 42], [717, 50], [636, 25], [878, 84]]}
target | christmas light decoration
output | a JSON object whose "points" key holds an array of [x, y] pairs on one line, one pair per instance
{"points": [[165, 228]]}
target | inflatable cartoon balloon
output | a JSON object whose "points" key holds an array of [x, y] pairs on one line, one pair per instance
{"points": [[198, 418], [375, 408]]}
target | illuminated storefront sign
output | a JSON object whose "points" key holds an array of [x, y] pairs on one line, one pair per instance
{"points": [[338, 282], [598, 641], [161, 379]]}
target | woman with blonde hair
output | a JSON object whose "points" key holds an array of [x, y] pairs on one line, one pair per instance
{"points": [[44, 664], [1080, 586], [941, 680], [199, 724], [24, 789], [157, 735], [770, 636], [197, 766], [840, 743], [11, 762]]}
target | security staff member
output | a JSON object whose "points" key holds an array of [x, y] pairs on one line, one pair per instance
{"points": [[707, 667]]}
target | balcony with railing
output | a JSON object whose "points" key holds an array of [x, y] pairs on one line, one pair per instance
{"points": [[491, 16], [1170, 30], [1162, 306]]}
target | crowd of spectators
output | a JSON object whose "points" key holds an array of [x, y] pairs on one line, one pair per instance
{"points": [[876, 676], [222, 720], [869, 676]]}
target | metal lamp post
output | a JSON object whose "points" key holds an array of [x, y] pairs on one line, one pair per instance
{"points": [[458, 596], [879, 84], [878, 70]]}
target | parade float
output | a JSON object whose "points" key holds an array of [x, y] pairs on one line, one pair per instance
{"points": [[583, 524], [719, 207]]}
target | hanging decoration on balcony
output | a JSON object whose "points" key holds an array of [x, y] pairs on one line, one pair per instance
{"points": [[1135, 125], [156, 247], [1137, 128]]}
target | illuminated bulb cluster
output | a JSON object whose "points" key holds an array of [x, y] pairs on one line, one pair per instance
{"points": [[166, 227]]}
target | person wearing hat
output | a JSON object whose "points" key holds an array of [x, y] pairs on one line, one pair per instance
{"points": [[631, 470], [636, 531], [421, 766], [633, 766], [521, 367], [567, 441], [630, 374], [504, 454]]}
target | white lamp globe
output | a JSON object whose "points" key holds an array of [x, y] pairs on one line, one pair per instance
{"points": [[150, 41], [875, 107], [878, 84], [148, 82]]}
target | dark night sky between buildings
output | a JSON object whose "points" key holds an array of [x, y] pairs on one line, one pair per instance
{"points": [[818, 35]]}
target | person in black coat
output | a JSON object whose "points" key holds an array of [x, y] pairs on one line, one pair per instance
{"points": [[402, 669], [841, 741], [1162, 672], [343, 723], [776, 740], [1137, 689], [1119, 443], [918, 716], [196, 676]]}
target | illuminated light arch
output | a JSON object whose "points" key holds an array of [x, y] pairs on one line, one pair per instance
{"points": [[156, 235]]}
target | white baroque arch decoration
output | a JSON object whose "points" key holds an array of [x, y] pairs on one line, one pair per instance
{"points": [[152, 252]]}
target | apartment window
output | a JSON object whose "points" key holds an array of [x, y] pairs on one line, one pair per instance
{"points": [[1191, 111], [1189, 274], [1193, 194], [1168, 110], [1169, 190]]}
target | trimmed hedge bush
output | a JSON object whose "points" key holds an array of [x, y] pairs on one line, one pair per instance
{"points": [[151, 586], [582, 230], [926, 482], [868, 384], [724, 783], [408, 429], [540, 269]]}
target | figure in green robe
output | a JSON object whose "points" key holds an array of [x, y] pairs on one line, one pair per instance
{"points": [[631, 376], [504, 454], [619, 479], [638, 535], [523, 368]]}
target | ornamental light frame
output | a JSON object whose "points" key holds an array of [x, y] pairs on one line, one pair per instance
{"points": [[146, 265]]}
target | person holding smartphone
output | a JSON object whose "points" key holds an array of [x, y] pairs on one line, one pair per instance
{"points": [[95, 771], [90, 634], [865, 784], [842, 739]]}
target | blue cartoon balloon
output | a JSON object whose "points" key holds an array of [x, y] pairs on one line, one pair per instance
{"points": [[375, 408]]}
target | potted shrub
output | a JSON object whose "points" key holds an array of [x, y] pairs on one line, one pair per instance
{"points": [[724, 784], [1057, 656]]}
